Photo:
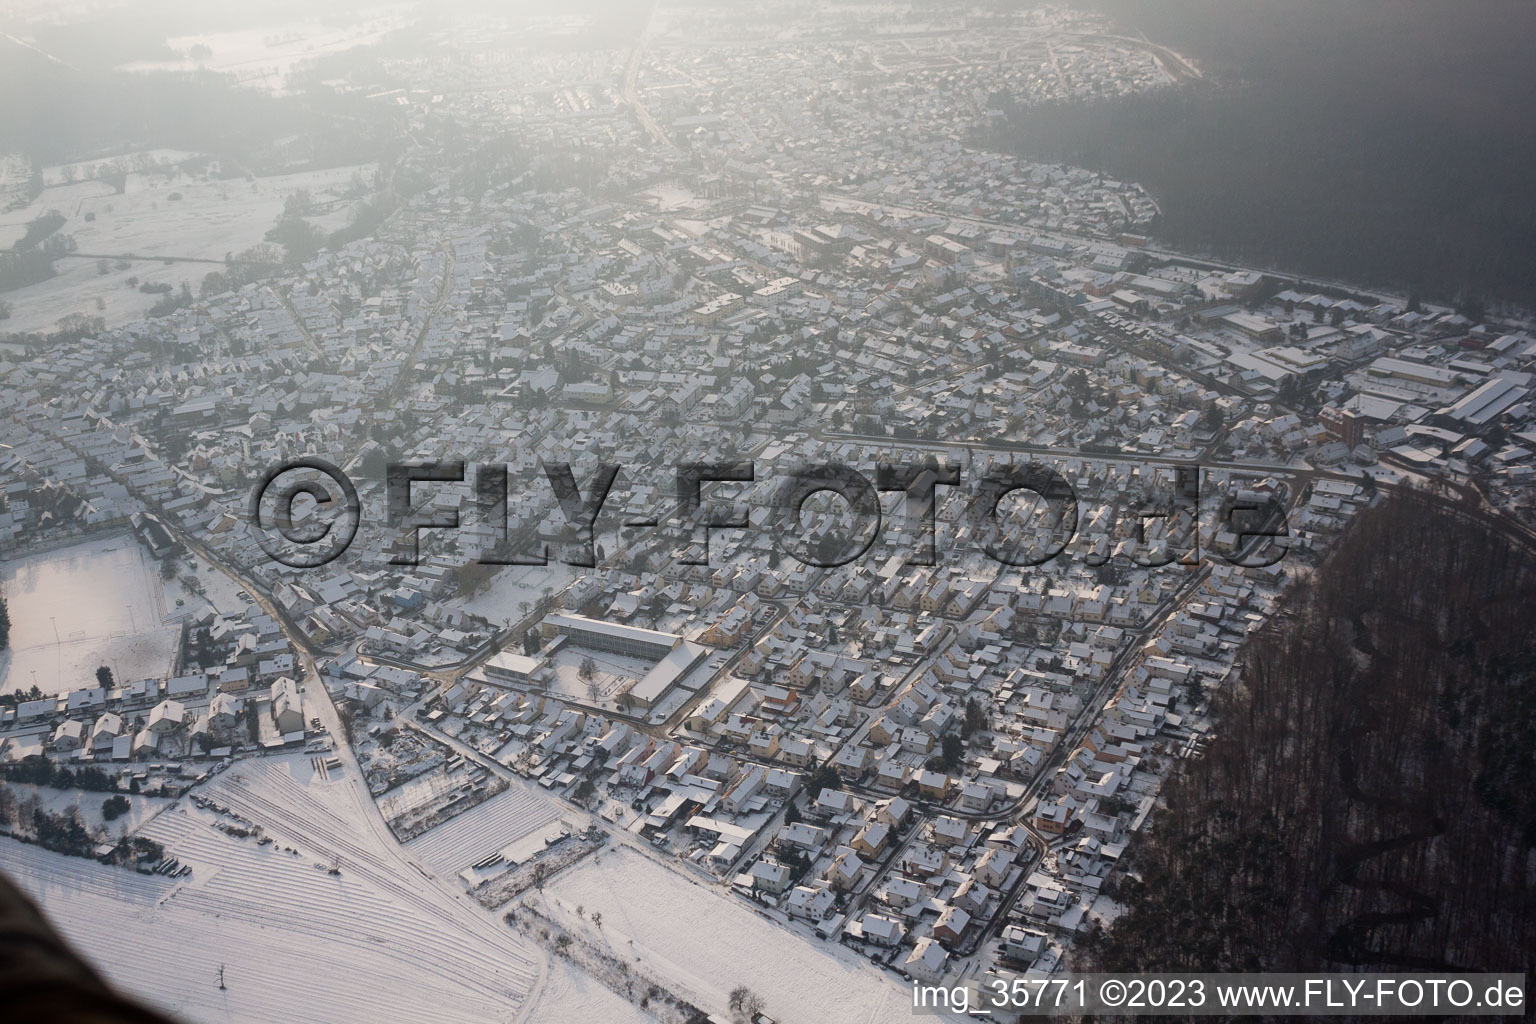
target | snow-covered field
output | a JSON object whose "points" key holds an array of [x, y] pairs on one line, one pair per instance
{"points": [[57, 801], [483, 830], [262, 57], [383, 939], [511, 587], [571, 996], [212, 218], [82, 170], [295, 944], [378, 941], [614, 672], [106, 600], [390, 936], [14, 172], [670, 197], [710, 943], [221, 593]]}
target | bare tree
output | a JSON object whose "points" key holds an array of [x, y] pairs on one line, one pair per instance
{"points": [[745, 1003], [588, 673]]}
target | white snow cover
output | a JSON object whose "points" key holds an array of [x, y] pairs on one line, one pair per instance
{"points": [[379, 941], [484, 829], [710, 943]]}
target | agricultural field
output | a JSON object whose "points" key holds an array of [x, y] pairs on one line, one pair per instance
{"points": [[571, 996], [338, 903], [708, 943], [263, 57], [160, 214]]}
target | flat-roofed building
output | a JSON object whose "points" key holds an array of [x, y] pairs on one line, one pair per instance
{"points": [[674, 656], [1418, 373], [1255, 327], [509, 667], [667, 673], [613, 637]]}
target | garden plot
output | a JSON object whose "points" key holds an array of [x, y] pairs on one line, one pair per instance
{"points": [[708, 944], [493, 826], [396, 756], [433, 799], [529, 864]]}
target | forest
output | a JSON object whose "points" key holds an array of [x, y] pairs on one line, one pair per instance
{"points": [[1366, 802]]}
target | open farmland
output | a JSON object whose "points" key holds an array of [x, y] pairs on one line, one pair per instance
{"points": [[286, 919], [262, 58], [211, 219], [571, 996], [378, 902], [389, 939], [709, 944]]}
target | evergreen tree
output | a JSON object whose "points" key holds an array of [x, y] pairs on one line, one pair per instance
{"points": [[952, 750]]}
